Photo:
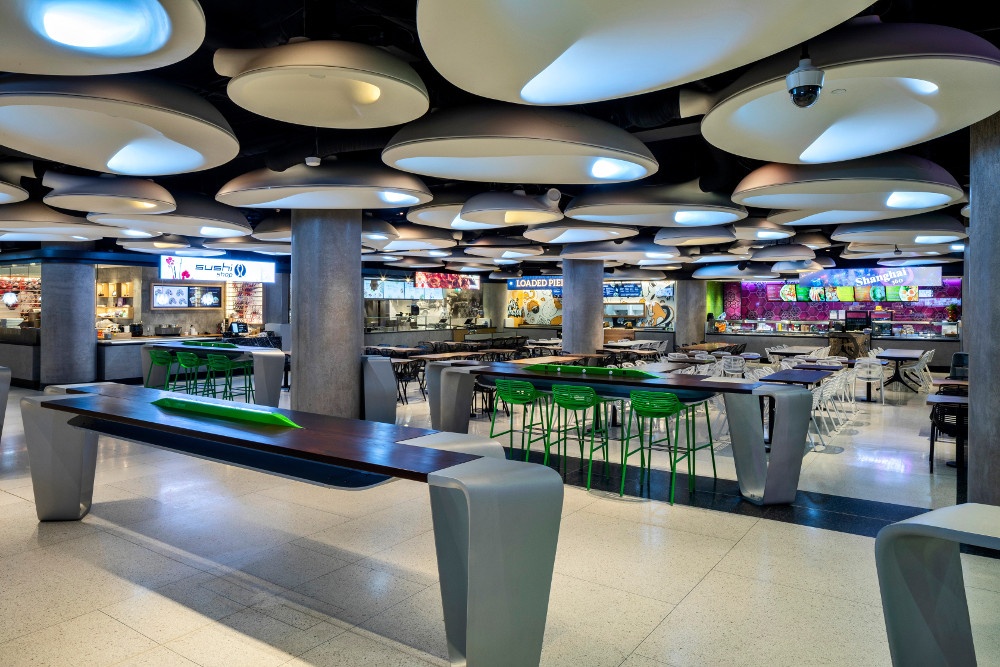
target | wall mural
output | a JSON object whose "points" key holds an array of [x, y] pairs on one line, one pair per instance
{"points": [[540, 307]]}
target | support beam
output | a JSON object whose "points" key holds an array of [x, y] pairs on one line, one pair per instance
{"points": [[69, 344], [583, 305], [327, 312], [689, 324]]}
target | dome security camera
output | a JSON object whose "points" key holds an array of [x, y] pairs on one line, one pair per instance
{"points": [[313, 161], [804, 84]]}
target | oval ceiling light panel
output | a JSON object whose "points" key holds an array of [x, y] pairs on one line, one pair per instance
{"points": [[561, 52], [173, 245], [445, 211], [717, 258], [571, 231], [377, 233], [789, 252], [681, 205], [734, 272], [415, 263], [122, 125], [630, 251], [874, 188], [415, 237], [102, 194], [512, 208], [11, 174], [88, 37], [324, 84], [813, 240], [195, 215], [501, 248], [902, 84], [248, 244], [470, 268], [691, 236], [504, 275], [799, 266], [275, 227], [510, 144], [336, 186], [760, 229], [918, 261], [632, 273], [926, 229]]}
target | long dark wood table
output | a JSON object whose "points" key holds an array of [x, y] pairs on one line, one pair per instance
{"points": [[898, 357], [763, 480], [495, 578]]}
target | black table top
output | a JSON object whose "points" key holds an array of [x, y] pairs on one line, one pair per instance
{"points": [[349, 443], [900, 355], [689, 382], [817, 367], [797, 377]]}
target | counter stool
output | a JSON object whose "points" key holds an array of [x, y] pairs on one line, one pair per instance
{"points": [[247, 367], [191, 364], [219, 364], [534, 413], [690, 421], [576, 401], [164, 359], [646, 408]]}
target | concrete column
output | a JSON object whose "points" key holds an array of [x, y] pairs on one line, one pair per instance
{"points": [[69, 339], [327, 312], [981, 314], [583, 305], [276, 296], [689, 325], [495, 303]]}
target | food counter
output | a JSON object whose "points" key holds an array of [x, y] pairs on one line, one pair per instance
{"points": [[21, 352], [121, 358]]}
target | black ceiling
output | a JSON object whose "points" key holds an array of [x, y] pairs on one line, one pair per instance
{"points": [[391, 24]]}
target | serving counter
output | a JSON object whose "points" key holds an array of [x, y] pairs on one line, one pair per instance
{"points": [[121, 359]]}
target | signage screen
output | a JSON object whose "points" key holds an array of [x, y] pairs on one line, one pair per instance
{"points": [[925, 276], [445, 280], [215, 268], [612, 290], [540, 283], [176, 297]]}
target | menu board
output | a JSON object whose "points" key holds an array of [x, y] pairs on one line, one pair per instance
{"points": [[622, 289], [445, 280], [176, 297]]}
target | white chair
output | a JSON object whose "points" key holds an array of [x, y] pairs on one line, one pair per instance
{"points": [[821, 352], [870, 371], [733, 366]]}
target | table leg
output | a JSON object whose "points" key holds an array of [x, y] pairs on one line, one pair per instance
{"points": [[898, 377]]}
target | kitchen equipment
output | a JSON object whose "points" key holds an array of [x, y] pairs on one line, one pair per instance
{"points": [[882, 323], [856, 320], [135, 328], [167, 331]]}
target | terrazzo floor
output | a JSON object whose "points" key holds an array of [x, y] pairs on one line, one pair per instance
{"points": [[189, 562]]}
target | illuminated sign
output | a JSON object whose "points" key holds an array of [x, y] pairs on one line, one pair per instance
{"points": [[924, 276], [214, 268], [445, 281], [546, 283]]}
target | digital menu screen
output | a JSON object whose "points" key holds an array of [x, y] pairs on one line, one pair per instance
{"points": [[205, 296], [445, 280], [175, 297]]}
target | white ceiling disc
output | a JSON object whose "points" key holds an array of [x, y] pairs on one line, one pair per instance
{"points": [[504, 275], [717, 258], [174, 246], [926, 229], [98, 36], [95, 194], [510, 208], [470, 268], [572, 52], [886, 86], [894, 251], [572, 231], [415, 263], [324, 84], [760, 229], [680, 205], [918, 261], [788, 252], [416, 237], [631, 251], [11, 173], [35, 237], [123, 125], [444, 211], [380, 258], [33, 214], [689, 236], [797, 266], [510, 144], [376, 232], [195, 215], [825, 262], [504, 251], [734, 272], [874, 188], [814, 240], [249, 244], [329, 186], [966, 210], [275, 227], [632, 273]]}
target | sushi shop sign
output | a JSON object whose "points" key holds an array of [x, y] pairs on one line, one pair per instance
{"points": [[215, 269], [925, 276]]}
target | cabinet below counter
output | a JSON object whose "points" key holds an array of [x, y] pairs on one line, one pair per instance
{"points": [[121, 359]]}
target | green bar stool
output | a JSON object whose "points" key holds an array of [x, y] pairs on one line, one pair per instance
{"points": [[534, 414], [646, 408], [219, 364], [161, 358], [191, 364], [574, 401], [691, 407], [246, 366]]}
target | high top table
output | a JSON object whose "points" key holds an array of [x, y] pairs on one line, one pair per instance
{"points": [[763, 480], [268, 366], [899, 357], [496, 522]]}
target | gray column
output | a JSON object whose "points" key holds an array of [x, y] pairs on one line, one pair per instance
{"points": [[689, 324], [69, 339], [276, 296], [981, 308], [583, 305], [495, 303], [327, 312]]}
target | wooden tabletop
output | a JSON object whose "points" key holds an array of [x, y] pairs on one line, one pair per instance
{"points": [[947, 399], [560, 359], [804, 378], [350, 443], [445, 356], [900, 355], [707, 347], [945, 382]]}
